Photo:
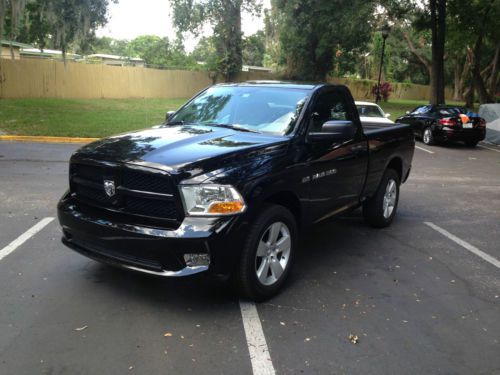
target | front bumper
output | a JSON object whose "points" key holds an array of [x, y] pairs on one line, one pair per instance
{"points": [[116, 240]]}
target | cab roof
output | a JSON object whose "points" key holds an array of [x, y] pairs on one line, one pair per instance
{"points": [[282, 84]]}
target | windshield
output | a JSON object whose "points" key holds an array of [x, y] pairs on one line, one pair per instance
{"points": [[262, 109], [369, 111], [452, 110]]}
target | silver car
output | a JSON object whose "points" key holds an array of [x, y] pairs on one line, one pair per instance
{"points": [[371, 113]]}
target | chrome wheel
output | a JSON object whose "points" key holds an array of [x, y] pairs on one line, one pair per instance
{"points": [[391, 192], [427, 136], [273, 253]]}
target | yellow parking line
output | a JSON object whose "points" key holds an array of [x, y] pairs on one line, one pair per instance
{"points": [[30, 138]]}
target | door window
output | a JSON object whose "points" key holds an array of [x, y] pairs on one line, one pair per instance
{"points": [[330, 106]]}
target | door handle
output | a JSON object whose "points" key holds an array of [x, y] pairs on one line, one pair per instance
{"points": [[357, 148]]}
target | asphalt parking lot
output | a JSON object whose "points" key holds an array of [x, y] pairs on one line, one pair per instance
{"points": [[422, 296]]}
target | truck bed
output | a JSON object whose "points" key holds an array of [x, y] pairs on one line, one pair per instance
{"points": [[385, 142]]}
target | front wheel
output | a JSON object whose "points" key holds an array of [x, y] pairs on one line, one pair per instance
{"points": [[268, 253], [428, 137], [379, 210]]}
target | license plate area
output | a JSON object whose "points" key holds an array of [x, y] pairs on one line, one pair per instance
{"points": [[467, 125]]}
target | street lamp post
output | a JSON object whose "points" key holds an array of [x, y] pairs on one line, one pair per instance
{"points": [[385, 30]]}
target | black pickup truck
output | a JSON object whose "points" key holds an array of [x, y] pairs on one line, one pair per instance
{"points": [[230, 180]]}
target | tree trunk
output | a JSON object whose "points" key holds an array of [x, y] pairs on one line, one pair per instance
{"points": [[236, 54], [438, 26], [484, 97], [457, 79], [228, 39], [493, 80], [477, 79]]}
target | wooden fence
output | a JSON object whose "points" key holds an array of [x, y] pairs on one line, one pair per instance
{"points": [[36, 78]]}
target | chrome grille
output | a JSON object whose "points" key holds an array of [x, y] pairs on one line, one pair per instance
{"points": [[143, 192]]}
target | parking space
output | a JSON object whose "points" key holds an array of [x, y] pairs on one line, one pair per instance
{"points": [[417, 301]]}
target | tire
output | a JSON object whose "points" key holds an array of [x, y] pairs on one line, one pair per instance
{"points": [[379, 210], [471, 143], [279, 221], [428, 137]]}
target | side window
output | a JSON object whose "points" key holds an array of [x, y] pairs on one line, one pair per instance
{"points": [[421, 110], [330, 106]]}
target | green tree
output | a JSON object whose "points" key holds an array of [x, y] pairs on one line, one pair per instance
{"points": [[109, 46], [314, 40], [475, 30], [205, 53], [153, 49], [55, 23], [224, 17], [273, 57], [254, 48]]}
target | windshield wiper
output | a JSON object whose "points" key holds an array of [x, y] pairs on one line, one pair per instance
{"points": [[229, 126], [177, 123]]}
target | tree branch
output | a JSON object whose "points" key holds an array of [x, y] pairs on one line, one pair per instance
{"points": [[421, 57]]}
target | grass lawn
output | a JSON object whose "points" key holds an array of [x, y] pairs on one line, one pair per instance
{"points": [[103, 117], [81, 117]]}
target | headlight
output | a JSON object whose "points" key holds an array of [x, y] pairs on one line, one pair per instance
{"points": [[211, 200]]}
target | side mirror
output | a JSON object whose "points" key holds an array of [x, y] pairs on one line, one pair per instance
{"points": [[169, 115], [334, 131], [387, 115]]}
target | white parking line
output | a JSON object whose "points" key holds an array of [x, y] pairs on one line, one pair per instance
{"points": [[488, 148], [465, 245], [24, 237], [256, 341], [424, 149]]}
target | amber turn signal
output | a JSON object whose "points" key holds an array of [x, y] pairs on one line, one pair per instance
{"points": [[226, 207]]}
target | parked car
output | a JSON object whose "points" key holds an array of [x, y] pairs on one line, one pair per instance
{"points": [[371, 114], [229, 182], [440, 123]]}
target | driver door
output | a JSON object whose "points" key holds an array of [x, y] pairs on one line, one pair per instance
{"points": [[338, 168]]}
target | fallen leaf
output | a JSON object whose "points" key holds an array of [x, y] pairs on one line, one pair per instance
{"points": [[81, 328], [168, 334], [353, 338]]}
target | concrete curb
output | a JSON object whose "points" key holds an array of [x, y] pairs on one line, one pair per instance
{"points": [[41, 139]]}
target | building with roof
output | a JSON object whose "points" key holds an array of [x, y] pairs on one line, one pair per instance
{"points": [[116, 60], [47, 53], [9, 48], [250, 68]]}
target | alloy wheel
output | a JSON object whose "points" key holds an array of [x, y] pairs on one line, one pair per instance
{"points": [[273, 253], [390, 196], [427, 136]]}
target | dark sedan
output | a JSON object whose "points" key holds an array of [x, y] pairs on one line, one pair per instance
{"points": [[434, 123]]}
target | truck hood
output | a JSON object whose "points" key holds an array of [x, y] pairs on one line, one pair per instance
{"points": [[375, 120], [177, 148]]}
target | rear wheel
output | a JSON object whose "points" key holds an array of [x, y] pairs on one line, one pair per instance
{"points": [[471, 143], [428, 137], [268, 253], [379, 210]]}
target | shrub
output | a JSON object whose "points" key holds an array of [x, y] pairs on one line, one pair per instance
{"points": [[385, 90]]}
